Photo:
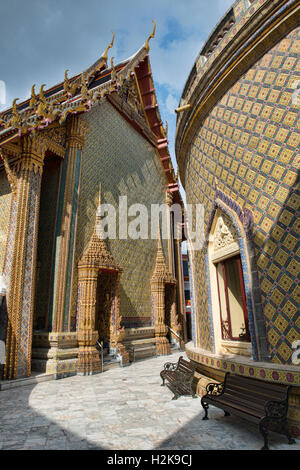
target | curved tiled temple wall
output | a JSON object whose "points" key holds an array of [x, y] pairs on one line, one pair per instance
{"points": [[248, 144]]}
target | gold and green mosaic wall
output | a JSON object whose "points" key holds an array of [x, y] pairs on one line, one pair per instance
{"points": [[125, 164], [5, 202], [249, 142]]}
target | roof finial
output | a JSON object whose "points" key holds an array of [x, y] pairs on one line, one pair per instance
{"points": [[42, 96], [151, 36], [104, 55], [113, 70], [33, 100], [14, 106]]}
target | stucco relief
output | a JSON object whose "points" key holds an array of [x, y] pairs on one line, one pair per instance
{"points": [[225, 237]]}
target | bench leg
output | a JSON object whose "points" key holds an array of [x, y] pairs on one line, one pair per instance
{"points": [[263, 427], [205, 407], [287, 433]]}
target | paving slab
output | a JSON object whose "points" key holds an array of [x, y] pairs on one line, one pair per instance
{"points": [[120, 409]]}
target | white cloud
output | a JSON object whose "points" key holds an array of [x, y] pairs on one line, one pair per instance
{"points": [[171, 103]]}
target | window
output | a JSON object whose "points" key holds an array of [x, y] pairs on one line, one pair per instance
{"points": [[231, 292]]}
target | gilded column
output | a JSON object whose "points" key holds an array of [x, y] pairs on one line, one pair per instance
{"points": [[87, 335], [66, 225], [160, 328], [24, 223], [160, 276]]}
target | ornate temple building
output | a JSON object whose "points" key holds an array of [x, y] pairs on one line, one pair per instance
{"points": [[237, 148], [90, 139]]}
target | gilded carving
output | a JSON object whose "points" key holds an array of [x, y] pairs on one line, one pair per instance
{"points": [[147, 47], [161, 276], [11, 175], [99, 276]]}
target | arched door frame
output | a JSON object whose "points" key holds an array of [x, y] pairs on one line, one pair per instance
{"points": [[242, 220]]}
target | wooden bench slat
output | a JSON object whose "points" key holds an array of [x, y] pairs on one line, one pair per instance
{"points": [[238, 406], [258, 385], [255, 396], [256, 407]]}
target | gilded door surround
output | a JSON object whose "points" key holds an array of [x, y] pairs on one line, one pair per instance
{"points": [[160, 278], [96, 259]]}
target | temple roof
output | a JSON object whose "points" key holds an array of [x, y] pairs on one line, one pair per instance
{"points": [[81, 92]]}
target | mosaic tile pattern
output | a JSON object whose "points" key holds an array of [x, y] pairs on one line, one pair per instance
{"points": [[249, 143], [25, 332], [116, 156], [5, 203]]}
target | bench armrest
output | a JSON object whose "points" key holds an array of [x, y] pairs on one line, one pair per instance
{"points": [[276, 409], [215, 388], [170, 366]]}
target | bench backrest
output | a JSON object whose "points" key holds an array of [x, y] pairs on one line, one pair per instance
{"points": [[253, 393], [185, 366]]}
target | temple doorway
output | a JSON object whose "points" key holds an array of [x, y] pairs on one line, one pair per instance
{"points": [[46, 238], [105, 309], [170, 312]]}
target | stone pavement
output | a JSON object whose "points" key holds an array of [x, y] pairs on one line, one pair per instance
{"points": [[123, 408]]}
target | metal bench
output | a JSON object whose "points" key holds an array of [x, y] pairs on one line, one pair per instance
{"points": [[260, 402], [179, 376]]}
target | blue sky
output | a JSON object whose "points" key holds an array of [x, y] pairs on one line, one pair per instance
{"points": [[42, 38]]}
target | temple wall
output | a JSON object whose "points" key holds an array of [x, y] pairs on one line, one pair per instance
{"points": [[5, 202], [125, 164], [247, 145]]}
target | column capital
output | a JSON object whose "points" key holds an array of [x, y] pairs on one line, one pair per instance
{"points": [[32, 154], [76, 132]]}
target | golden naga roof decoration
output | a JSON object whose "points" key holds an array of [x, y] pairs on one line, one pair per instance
{"points": [[104, 55], [75, 95], [147, 47], [69, 89], [33, 100]]}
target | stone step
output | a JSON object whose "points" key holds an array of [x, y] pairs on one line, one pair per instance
{"points": [[34, 379]]}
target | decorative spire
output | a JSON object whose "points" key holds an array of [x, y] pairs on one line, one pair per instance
{"points": [[151, 36], [161, 272], [97, 253]]}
